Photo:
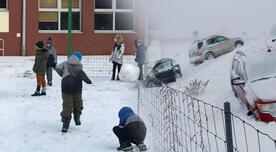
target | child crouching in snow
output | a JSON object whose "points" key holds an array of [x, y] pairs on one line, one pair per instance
{"points": [[130, 130], [72, 75]]}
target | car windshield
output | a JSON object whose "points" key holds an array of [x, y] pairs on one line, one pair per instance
{"points": [[164, 66], [261, 66]]}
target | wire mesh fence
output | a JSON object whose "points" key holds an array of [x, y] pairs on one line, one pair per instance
{"points": [[99, 66], [177, 122]]}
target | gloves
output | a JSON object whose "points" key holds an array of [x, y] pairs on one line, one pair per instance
{"points": [[89, 82], [54, 66]]}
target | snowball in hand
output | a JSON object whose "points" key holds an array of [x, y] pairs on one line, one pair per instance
{"points": [[129, 72]]}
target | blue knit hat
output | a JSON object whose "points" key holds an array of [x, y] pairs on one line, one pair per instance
{"points": [[78, 54]]}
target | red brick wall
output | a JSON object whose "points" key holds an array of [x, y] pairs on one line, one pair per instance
{"points": [[87, 42], [12, 42]]}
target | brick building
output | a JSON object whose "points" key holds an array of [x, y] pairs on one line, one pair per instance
{"points": [[95, 23]]}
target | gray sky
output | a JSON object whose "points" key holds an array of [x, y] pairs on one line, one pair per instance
{"points": [[182, 17]]}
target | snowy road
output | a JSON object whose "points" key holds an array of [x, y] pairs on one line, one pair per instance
{"points": [[32, 124]]}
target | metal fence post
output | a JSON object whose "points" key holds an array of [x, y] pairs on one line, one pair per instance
{"points": [[139, 96], [228, 127]]}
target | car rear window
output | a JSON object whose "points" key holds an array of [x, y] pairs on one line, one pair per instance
{"points": [[199, 45]]}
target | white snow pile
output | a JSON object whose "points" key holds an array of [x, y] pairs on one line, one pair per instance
{"points": [[129, 72]]}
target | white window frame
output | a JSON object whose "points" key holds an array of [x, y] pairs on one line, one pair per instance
{"points": [[114, 10], [7, 5], [59, 9]]}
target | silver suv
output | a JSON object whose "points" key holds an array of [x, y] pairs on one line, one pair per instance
{"points": [[211, 47]]}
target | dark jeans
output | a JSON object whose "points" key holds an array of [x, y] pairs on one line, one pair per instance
{"points": [[141, 76], [134, 132], [116, 65]]}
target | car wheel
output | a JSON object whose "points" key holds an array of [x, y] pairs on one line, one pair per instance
{"points": [[177, 75], [210, 56], [151, 84]]}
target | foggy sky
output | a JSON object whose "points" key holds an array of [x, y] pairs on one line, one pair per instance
{"points": [[233, 17]]}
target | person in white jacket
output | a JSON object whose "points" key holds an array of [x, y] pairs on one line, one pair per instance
{"points": [[117, 56]]}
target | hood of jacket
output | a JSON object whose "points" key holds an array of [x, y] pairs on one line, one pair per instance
{"points": [[41, 51], [73, 60], [124, 113]]}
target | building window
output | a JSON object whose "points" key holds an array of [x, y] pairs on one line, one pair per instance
{"points": [[114, 15], [53, 15], [3, 4]]}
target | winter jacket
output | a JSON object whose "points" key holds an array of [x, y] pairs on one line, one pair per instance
{"points": [[72, 75], [41, 57], [52, 59], [127, 116], [117, 53], [140, 53]]}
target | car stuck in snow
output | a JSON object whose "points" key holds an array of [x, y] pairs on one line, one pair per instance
{"points": [[253, 80]]}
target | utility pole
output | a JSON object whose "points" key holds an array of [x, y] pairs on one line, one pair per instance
{"points": [[69, 26]]}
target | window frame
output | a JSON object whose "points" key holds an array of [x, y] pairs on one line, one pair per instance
{"points": [[114, 10], [59, 10], [7, 6]]}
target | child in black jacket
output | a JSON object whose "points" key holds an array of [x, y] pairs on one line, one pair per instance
{"points": [[131, 129]]}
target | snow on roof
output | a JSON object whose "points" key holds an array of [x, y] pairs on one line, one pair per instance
{"points": [[259, 62]]}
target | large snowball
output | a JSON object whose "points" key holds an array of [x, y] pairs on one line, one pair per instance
{"points": [[129, 72]]}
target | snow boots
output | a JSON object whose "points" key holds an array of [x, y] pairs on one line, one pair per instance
{"points": [[66, 124], [77, 117], [37, 92], [43, 91], [49, 83], [142, 147], [125, 146]]}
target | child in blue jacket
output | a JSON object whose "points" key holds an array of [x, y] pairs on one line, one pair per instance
{"points": [[131, 129]]}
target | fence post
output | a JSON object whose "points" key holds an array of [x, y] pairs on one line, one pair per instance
{"points": [[138, 98], [228, 127]]}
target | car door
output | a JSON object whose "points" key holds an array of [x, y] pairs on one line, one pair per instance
{"points": [[224, 45], [164, 72], [239, 89], [213, 46]]}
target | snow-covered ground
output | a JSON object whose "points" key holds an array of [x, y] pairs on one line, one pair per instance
{"points": [[32, 124], [217, 72]]}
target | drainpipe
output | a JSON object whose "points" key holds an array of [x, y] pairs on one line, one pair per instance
{"points": [[23, 53]]}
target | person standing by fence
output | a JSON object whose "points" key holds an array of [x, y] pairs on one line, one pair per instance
{"points": [[39, 68], [117, 55], [72, 75], [51, 62], [140, 56]]}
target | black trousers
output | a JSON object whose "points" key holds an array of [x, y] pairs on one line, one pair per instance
{"points": [[134, 132], [115, 66]]}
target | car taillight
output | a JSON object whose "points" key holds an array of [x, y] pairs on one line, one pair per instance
{"points": [[261, 106], [198, 54], [269, 108]]}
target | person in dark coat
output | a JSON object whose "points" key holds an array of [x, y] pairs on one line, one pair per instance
{"points": [[52, 60], [72, 75], [131, 129], [39, 68], [140, 56]]}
